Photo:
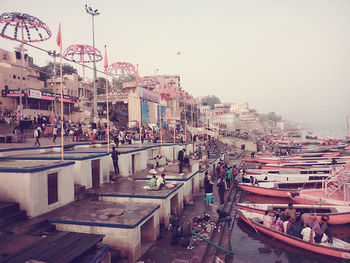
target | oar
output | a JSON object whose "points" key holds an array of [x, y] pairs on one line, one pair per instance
{"points": [[250, 223]]}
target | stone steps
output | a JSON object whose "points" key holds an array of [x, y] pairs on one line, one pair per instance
{"points": [[79, 192], [12, 217]]}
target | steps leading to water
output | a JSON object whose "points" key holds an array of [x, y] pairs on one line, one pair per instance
{"points": [[10, 214]]}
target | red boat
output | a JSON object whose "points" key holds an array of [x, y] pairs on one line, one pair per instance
{"points": [[335, 190], [279, 189], [339, 248], [318, 196], [337, 214]]}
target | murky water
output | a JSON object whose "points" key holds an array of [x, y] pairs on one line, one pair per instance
{"points": [[254, 247]]}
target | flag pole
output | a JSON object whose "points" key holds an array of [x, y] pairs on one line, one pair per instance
{"points": [[175, 114], [185, 118], [139, 96], [61, 77], [107, 113], [107, 99]]}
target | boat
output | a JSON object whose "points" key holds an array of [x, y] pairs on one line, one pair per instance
{"points": [[337, 214], [311, 170], [318, 196], [285, 177], [338, 249], [279, 189], [335, 191]]}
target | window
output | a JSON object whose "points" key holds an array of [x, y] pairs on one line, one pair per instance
{"points": [[4, 57], [52, 189], [14, 76], [18, 55]]}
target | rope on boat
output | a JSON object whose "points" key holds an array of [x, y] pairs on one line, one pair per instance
{"points": [[211, 243]]}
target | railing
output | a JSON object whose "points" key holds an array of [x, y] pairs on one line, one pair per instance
{"points": [[336, 181]]}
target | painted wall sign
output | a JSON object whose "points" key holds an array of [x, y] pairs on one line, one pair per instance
{"points": [[149, 95]]}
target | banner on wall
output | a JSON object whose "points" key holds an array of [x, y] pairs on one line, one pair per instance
{"points": [[149, 95], [36, 94]]}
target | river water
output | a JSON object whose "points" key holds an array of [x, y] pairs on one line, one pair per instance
{"points": [[254, 247]]}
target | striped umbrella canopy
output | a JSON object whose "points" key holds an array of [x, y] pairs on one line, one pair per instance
{"points": [[148, 81], [34, 29], [82, 53], [122, 69]]}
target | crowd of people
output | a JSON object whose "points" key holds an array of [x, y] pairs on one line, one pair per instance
{"points": [[304, 226]]}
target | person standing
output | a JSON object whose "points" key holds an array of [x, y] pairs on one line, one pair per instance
{"points": [[114, 155], [290, 211], [54, 132], [116, 139], [37, 136], [221, 190], [228, 177], [208, 187], [180, 158]]}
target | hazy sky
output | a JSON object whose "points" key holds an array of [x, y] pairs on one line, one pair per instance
{"points": [[291, 57]]}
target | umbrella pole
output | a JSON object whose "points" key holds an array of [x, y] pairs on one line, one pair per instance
{"points": [[107, 113], [61, 76]]}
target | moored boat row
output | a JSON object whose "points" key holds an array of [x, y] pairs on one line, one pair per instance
{"points": [[318, 180]]}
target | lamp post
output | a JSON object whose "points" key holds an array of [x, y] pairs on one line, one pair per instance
{"points": [[54, 55], [93, 13], [21, 49]]}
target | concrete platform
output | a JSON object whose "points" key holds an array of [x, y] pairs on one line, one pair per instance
{"points": [[190, 179], [89, 169], [27, 182], [125, 225], [170, 200]]}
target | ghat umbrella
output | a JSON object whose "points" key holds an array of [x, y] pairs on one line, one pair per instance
{"points": [[36, 31], [148, 81], [82, 54], [122, 69]]}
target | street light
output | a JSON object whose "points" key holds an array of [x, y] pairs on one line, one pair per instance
{"points": [[54, 54], [93, 13]]}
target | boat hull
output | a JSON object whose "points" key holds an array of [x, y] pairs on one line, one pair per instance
{"points": [[310, 200], [334, 218], [265, 191], [338, 253]]}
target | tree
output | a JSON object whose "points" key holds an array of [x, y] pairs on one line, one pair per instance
{"points": [[117, 83], [273, 117], [210, 100], [46, 72], [101, 85]]}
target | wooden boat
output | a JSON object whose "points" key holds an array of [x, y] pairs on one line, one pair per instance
{"points": [[334, 191], [318, 196], [279, 189], [337, 214], [312, 170], [339, 248], [285, 177]]}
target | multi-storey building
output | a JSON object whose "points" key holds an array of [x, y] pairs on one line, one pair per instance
{"points": [[35, 96]]}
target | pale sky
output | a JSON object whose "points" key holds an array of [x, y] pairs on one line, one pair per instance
{"points": [[291, 57]]}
